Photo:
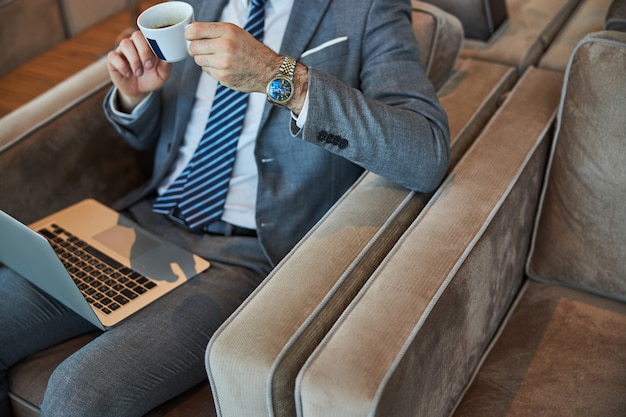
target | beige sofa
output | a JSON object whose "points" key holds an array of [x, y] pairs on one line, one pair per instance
{"points": [[64, 134], [354, 238], [507, 296], [367, 340]]}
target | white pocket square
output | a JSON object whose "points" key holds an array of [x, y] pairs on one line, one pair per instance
{"points": [[324, 45]]}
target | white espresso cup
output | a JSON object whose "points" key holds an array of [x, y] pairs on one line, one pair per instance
{"points": [[163, 25]]}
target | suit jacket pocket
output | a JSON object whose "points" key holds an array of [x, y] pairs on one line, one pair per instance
{"points": [[325, 51]]}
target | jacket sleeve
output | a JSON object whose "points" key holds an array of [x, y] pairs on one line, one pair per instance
{"points": [[141, 128], [391, 123]]}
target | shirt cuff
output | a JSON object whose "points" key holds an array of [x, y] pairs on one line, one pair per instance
{"points": [[301, 118], [127, 117]]}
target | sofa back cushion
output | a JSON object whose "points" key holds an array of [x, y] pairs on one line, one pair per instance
{"points": [[80, 15], [580, 235], [59, 148], [616, 16], [480, 18], [28, 28], [440, 38]]}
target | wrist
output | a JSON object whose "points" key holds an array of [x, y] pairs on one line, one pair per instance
{"points": [[301, 87], [126, 103]]}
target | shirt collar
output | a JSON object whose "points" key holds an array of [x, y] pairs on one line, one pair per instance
{"points": [[246, 3]]}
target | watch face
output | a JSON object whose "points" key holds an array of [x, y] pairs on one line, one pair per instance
{"points": [[280, 89]]}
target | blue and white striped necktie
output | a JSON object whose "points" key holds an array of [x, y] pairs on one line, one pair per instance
{"points": [[200, 191]]}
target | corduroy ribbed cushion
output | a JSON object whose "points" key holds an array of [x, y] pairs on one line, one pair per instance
{"points": [[408, 343], [580, 238], [291, 311]]}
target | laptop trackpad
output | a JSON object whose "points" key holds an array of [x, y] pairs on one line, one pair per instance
{"points": [[126, 241]]}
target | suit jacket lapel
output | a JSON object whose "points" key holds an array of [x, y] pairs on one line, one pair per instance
{"points": [[303, 22]]}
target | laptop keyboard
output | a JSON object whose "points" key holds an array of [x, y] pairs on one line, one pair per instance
{"points": [[106, 284]]}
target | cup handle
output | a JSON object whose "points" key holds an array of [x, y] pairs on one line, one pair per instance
{"points": [[186, 41]]}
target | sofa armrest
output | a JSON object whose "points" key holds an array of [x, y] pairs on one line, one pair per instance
{"points": [[409, 342], [287, 316], [59, 148]]}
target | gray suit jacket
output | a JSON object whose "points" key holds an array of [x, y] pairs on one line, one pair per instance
{"points": [[370, 107]]}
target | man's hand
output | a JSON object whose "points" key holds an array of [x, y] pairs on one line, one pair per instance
{"points": [[135, 70], [237, 60], [232, 56]]}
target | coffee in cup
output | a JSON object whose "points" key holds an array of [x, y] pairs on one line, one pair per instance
{"points": [[163, 25]]}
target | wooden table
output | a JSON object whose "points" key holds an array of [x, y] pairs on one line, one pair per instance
{"points": [[55, 65]]}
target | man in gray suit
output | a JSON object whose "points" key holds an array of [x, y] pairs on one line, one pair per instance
{"points": [[351, 96]]}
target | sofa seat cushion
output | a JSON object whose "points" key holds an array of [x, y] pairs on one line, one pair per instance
{"points": [[561, 353], [197, 401], [77, 154], [28, 379]]}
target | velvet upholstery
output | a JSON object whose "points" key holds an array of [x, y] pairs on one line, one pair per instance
{"points": [[386, 355], [588, 17], [59, 117], [65, 160], [531, 27], [616, 16], [451, 323], [581, 241], [560, 353], [480, 18], [28, 28], [441, 35], [80, 15], [561, 350], [470, 97]]}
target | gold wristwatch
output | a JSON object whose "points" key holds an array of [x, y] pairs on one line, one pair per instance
{"points": [[280, 89]]}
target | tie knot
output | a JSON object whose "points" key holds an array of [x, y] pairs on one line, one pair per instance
{"points": [[258, 3]]}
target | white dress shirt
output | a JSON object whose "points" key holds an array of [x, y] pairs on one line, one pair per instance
{"points": [[241, 198]]}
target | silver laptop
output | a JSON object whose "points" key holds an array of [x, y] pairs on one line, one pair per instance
{"points": [[95, 261]]}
